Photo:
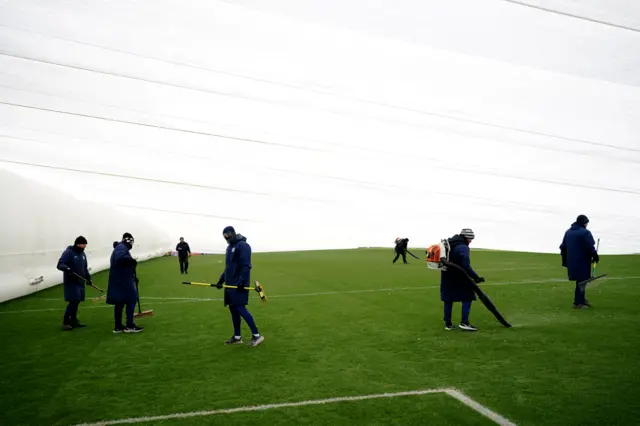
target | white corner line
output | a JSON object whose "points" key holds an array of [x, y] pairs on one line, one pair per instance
{"points": [[497, 418], [451, 392]]}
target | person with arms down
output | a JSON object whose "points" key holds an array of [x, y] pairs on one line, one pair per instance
{"points": [[237, 273], [578, 251], [184, 252], [121, 292], [74, 260], [454, 284]]}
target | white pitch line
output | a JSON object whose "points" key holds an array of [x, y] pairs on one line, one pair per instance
{"points": [[498, 419], [485, 270], [524, 268], [104, 306], [173, 300], [324, 293]]}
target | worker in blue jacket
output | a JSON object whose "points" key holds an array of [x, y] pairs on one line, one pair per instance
{"points": [[237, 273], [73, 260], [121, 292], [578, 252], [454, 284]]}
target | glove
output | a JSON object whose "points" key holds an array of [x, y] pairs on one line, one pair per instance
{"points": [[596, 258], [136, 280], [218, 285], [479, 280], [135, 263], [241, 287]]}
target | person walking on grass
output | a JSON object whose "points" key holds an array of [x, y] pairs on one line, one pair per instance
{"points": [[121, 292], [578, 251], [237, 273], [454, 285], [184, 253], [74, 261]]}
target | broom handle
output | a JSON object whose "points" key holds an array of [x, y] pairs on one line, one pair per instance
{"points": [[87, 282], [135, 279]]}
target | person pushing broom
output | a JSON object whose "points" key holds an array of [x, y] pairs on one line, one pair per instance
{"points": [[122, 292]]}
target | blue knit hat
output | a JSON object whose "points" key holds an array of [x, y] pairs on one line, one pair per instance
{"points": [[229, 230]]}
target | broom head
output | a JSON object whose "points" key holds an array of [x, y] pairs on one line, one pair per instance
{"points": [[260, 291]]}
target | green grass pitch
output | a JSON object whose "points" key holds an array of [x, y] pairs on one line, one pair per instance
{"points": [[336, 323]]}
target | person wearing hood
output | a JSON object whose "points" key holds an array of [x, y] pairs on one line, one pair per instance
{"points": [[237, 272], [122, 292], [578, 251], [454, 285], [74, 260]]}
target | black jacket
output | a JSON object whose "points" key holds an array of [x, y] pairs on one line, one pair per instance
{"points": [[183, 249], [401, 246]]}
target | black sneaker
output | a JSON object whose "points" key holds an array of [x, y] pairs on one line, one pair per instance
{"points": [[134, 329], [78, 325], [118, 330], [467, 326], [449, 327], [233, 341], [256, 340]]}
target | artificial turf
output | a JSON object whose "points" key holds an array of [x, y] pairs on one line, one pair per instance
{"points": [[336, 323]]}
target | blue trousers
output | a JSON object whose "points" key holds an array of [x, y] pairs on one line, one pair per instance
{"points": [[71, 313], [117, 313], [237, 313], [448, 310]]}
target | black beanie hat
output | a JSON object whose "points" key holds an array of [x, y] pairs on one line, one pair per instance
{"points": [[80, 240], [582, 220]]}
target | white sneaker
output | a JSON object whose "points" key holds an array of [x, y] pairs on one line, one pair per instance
{"points": [[255, 341], [467, 326]]}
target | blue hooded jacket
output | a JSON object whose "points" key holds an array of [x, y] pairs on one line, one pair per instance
{"points": [[74, 257], [578, 251], [121, 287], [237, 271], [454, 285]]}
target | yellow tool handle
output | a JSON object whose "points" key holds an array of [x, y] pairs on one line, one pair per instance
{"points": [[213, 285], [195, 283], [232, 286]]}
